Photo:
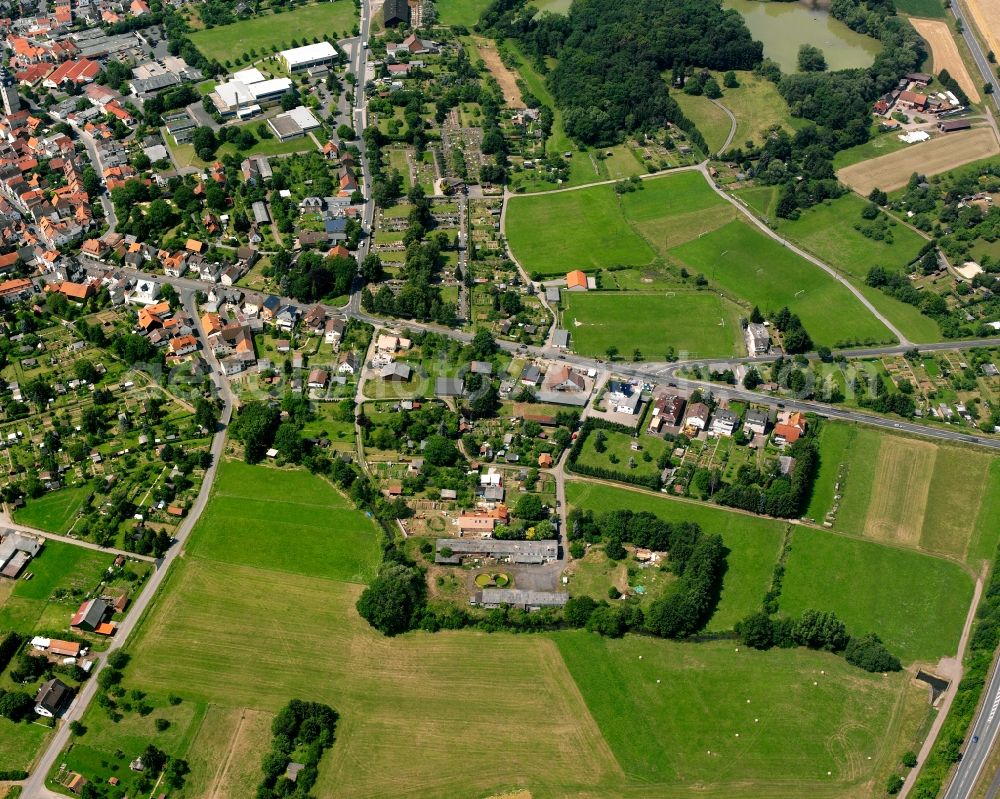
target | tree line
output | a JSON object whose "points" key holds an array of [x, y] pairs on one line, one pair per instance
{"points": [[610, 56]]}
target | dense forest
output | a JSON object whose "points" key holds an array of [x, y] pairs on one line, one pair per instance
{"points": [[611, 56]]}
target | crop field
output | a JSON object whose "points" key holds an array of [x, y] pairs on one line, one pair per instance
{"points": [[916, 603], [896, 513], [984, 13], [261, 33], [702, 324], [754, 543], [951, 491], [54, 512], [945, 53], [718, 719], [761, 271], [890, 172], [582, 229], [243, 525]]}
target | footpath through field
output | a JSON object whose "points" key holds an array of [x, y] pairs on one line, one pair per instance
{"points": [[34, 786]]}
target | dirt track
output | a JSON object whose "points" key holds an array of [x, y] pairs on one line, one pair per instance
{"points": [[507, 80], [945, 52], [890, 172]]}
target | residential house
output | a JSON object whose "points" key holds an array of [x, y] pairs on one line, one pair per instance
{"points": [[697, 416], [333, 331], [724, 422], [318, 378], [449, 387], [395, 372], [52, 697], [756, 421], [758, 339]]}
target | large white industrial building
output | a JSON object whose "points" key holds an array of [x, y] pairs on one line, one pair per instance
{"points": [[312, 55]]}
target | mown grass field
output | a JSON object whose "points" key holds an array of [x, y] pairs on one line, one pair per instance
{"points": [[256, 513], [750, 265], [827, 231], [460, 12], [719, 719], [55, 512], [407, 705], [825, 571], [583, 229], [20, 743], [702, 324], [237, 640], [934, 497], [596, 228], [261, 33], [916, 603]]}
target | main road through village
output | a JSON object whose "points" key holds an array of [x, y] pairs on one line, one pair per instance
{"points": [[987, 724]]}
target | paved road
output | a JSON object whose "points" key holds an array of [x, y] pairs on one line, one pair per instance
{"points": [[985, 68], [34, 786], [984, 732], [77, 542], [95, 159], [803, 254]]}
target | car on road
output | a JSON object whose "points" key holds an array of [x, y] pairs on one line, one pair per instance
{"points": [[975, 739]]}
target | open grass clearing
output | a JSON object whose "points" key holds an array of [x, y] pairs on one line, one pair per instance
{"points": [[757, 107], [916, 603], [712, 122], [753, 543], [940, 154], [261, 33], [881, 143], [717, 719], [583, 229], [756, 268], [700, 324], [921, 8], [256, 512], [55, 512], [460, 12], [827, 231]]}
